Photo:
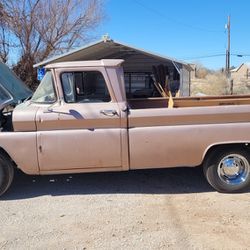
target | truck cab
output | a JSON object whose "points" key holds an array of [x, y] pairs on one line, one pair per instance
{"points": [[76, 107]]}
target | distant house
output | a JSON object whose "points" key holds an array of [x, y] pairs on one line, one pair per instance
{"points": [[138, 64], [241, 73]]}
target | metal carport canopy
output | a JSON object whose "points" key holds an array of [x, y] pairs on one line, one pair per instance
{"points": [[110, 49]]}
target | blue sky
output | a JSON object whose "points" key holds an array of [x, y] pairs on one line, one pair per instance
{"points": [[181, 29]]}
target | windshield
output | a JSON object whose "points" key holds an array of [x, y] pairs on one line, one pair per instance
{"points": [[45, 92]]}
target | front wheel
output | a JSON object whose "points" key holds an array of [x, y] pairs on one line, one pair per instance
{"points": [[6, 173], [228, 170]]}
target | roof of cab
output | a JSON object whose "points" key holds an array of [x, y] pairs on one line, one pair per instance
{"points": [[96, 63]]}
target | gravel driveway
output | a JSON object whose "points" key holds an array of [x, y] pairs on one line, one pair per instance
{"points": [[152, 209]]}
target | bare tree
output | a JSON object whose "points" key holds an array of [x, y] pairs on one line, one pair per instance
{"points": [[46, 27], [4, 46], [4, 40]]}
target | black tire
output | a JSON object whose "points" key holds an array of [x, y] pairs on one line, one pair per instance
{"points": [[218, 168], [6, 173]]}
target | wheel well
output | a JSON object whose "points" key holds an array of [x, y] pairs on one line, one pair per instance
{"points": [[221, 147], [4, 153]]}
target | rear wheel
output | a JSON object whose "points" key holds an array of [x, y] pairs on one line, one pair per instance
{"points": [[228, 170], [6, 173]]}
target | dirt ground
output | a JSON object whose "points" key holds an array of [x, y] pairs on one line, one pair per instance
{"points": [[153, 209]]}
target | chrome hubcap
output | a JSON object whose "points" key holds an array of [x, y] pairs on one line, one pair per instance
{"points": [[234, 169]]}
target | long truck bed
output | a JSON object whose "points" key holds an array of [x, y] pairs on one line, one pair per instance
{"points": [[160, 102]]}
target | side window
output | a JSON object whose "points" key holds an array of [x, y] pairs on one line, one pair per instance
{"points": [[87, 86]]}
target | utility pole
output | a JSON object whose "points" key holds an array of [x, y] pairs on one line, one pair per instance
{"points": [[228, 73]]}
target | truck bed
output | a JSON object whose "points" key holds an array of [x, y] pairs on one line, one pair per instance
{"points": [[160, 102]]}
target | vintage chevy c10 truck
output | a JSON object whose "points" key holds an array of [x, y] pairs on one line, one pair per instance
{"points": [[79, 120]]}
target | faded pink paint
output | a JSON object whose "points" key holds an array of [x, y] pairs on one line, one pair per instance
{"points": [[143, 134]]}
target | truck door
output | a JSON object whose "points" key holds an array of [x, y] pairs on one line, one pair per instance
{"points": [[84, 131]]}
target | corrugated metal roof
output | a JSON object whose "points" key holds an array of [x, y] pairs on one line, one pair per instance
{"points": [[73, 51], [107, 49]]}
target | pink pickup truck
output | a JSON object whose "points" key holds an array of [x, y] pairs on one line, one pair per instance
{"points": [[79, 120]]}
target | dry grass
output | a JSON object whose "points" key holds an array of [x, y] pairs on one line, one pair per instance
{"points": [[217, 84], [242, 87], [212, 84]]}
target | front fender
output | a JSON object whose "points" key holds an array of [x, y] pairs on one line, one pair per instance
{"points": [[22, 148]]}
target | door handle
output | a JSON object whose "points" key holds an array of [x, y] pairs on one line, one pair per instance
{"points": [[109, 112]]}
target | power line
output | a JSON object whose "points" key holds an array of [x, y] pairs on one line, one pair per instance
{"points": [[158, 13], [240, 55], [203, 56], [215, 55]]}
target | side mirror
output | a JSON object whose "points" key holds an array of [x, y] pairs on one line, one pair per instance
{"points": [[52, 106]]}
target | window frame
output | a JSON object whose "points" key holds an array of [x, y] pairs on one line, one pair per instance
{"points": [[82, 71]]}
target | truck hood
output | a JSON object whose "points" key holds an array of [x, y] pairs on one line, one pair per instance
{"points": [[12, 89], [5, 98]]}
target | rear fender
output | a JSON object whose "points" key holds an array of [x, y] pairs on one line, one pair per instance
{"points": [[223, 145]]}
